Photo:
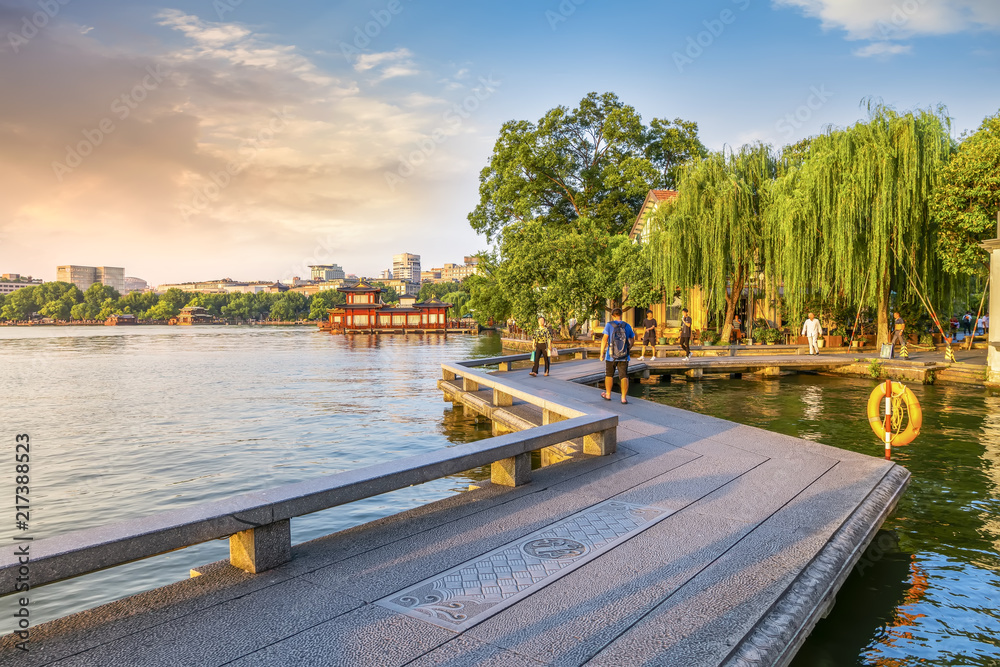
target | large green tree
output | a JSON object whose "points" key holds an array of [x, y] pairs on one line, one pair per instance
{"points": [[590, 162], [967, 200], [712, 234], [851, 220]]}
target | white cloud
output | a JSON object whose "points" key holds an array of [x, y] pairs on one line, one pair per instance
{"points": [[882, 49], [321, 171], [389, 64], [899, 19]]}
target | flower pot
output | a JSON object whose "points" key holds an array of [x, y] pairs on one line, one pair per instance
{"points": [[662, 340], [820, 342]]}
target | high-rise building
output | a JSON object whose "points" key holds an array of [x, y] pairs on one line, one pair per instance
{"points": [[385, 275], [85, 276], [406, 266], [324, 272]]}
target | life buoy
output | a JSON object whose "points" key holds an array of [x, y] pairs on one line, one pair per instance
{"points": [[916, 415]]}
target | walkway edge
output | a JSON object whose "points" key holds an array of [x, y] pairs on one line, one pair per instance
{"points": [[780, 633]]}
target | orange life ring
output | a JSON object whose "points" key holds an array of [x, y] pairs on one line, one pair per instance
{"points": [[916, 415]]}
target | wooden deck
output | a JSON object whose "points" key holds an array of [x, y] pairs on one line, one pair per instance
{"points": [[696, 542]]}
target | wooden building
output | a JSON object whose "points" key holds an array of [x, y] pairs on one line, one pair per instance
{"points": [[193, 315], [120, 320], [365, 312]]}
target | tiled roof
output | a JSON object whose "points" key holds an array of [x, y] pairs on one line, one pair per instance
{"points": [[653, 198]]}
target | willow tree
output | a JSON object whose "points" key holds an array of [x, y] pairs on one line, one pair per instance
{"points": [[850, 220], [711, 235]]}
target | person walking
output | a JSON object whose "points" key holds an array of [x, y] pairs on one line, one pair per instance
{"points": [[898, 329], [812, 330], [543, 341], [648, 336], [967, 323], [737, 328], [981, 325], [686, 333], [615, 346]]}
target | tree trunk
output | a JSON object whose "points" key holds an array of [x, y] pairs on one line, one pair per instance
{"points": [[732, 299], [883, 311]]}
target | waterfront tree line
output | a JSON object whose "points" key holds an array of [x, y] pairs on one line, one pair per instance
{"points": [[66, 302], [885, 214]]}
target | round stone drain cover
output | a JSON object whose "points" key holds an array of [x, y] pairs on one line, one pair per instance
{"points": [[554, 548]]}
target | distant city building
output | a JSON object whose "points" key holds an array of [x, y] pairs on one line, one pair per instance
{"points": [[385, 275], [224, 286], [403, 287], [406, 266], [315, 287], [14, 281], [325, 272], [452, 273], [85, 276], [135, 285]]}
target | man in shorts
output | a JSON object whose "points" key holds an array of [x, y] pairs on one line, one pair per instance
{"points": [[615, 346]]}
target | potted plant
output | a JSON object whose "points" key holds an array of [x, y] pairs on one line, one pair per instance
{"points": [[928, 339], [835, 337]]}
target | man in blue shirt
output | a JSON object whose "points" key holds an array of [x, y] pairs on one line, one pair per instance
{"points": [[615, 346]]}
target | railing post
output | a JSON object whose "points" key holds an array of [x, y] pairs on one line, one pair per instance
{"points": [[555, 453], [469, 384], [515, 471], [506, 366], [601, 443], [502, 400], [261, 548], [447, 375], [581, 355]]}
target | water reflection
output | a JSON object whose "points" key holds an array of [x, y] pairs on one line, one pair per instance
{"points": [[932, 598]]}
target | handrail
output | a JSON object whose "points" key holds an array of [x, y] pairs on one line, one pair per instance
{"points": [[258, 522]]}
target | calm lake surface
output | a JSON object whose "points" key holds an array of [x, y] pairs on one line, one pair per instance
{"points": [[129, 421], [126, 422], [931, 592]]}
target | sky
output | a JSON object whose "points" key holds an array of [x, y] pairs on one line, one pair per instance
{"points": [[197, 140]]}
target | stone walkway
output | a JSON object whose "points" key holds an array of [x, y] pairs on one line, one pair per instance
{"points": [[700, 542]]}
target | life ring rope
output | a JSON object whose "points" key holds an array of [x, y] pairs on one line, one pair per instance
{"points": [[900, 394]]}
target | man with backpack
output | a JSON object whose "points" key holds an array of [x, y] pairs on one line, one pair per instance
{"points": [[615, 346]]}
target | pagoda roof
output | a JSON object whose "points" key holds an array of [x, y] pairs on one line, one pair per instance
{"points": [[360, 287], [433, 302]]}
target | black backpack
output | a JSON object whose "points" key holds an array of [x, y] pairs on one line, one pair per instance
{"points": [[619, 342]]}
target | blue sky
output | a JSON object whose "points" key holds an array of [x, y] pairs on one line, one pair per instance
{"points": [[249, 145]]}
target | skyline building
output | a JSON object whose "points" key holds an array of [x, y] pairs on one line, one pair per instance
{"points": [[406, 266], [85, 276], [326, 272]]}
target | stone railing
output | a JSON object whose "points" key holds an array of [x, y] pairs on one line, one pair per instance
{"points": [[258, 523]]}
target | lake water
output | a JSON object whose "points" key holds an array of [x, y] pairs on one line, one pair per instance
{"points": [[125, 422], [129, 421], [929, 591]]}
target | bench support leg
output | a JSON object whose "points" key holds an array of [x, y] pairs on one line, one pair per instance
{"points": [[601, 443], [515, 471], [262, 548]]}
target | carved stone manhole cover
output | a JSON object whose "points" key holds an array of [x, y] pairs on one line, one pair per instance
{"points": [[554, 548], [475, 590]]}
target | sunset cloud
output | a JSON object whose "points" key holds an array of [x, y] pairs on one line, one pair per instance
{"points": [[222, 146]]}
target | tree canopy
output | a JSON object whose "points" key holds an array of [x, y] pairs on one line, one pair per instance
{"points": [[967, 200]]}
